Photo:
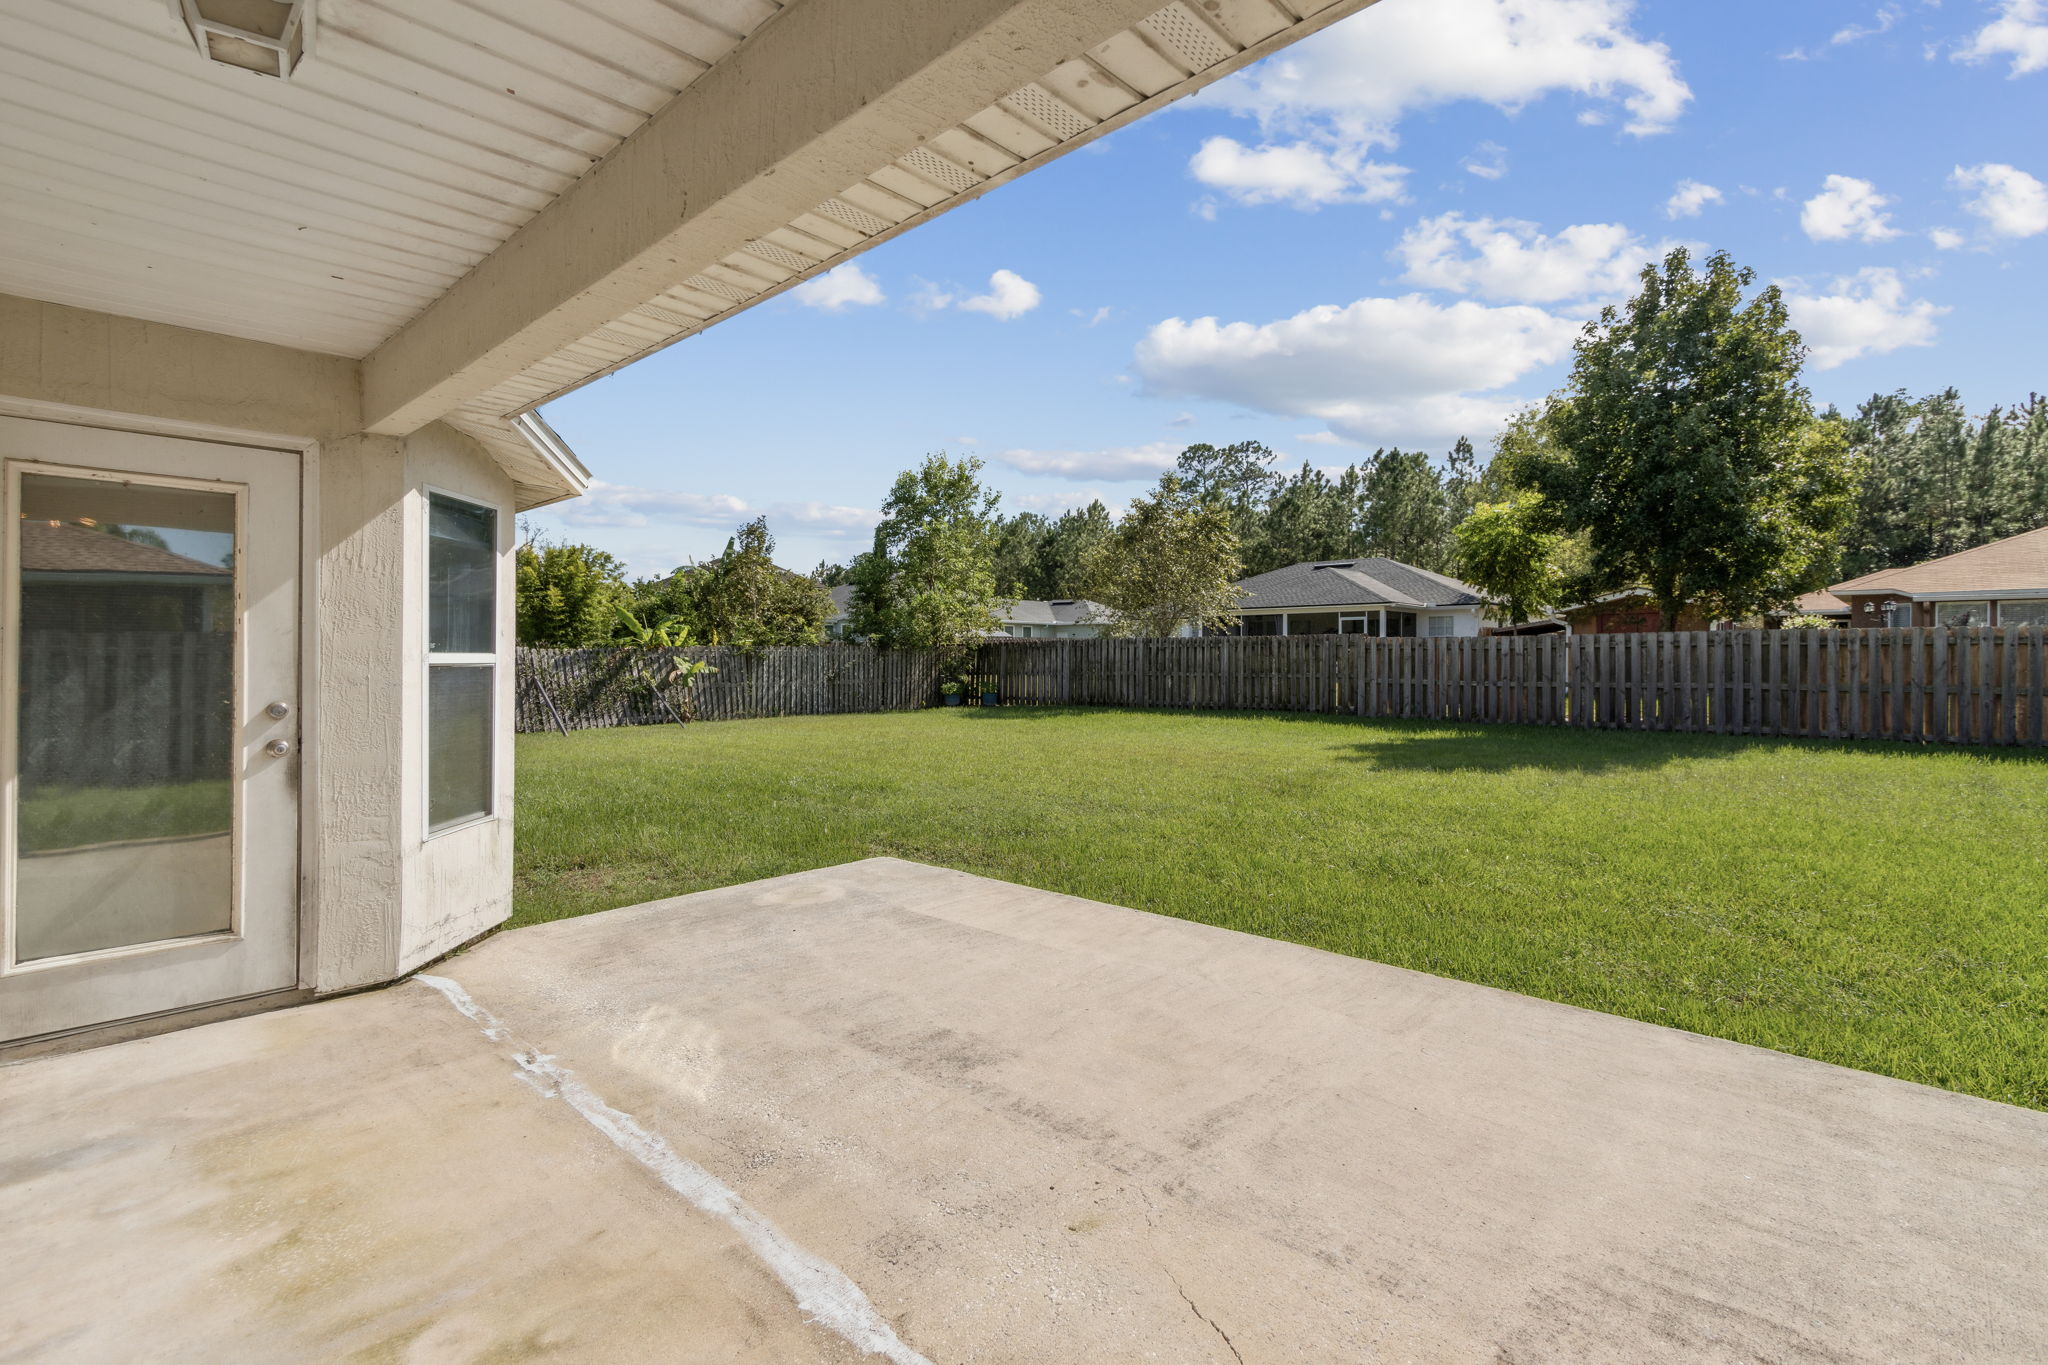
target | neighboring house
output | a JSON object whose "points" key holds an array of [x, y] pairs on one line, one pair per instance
{"points": [[1067, 618], [2004, 583], [1357, 597], [1631, 612], [1822, 604], [285, 290]]}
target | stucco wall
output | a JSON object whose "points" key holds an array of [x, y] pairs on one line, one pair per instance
{"points": [[458, 883], [378, 897], [359, 712]]}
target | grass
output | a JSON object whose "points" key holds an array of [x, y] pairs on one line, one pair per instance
{"points": [[1878, 906]]}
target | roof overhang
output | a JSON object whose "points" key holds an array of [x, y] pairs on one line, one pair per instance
{"points": [[487, 203]]}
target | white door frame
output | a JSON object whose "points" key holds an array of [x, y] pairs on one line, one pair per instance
{"points": [[305, 454]]}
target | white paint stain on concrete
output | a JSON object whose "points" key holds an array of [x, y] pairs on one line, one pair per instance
{"points": [[822, 1291]]}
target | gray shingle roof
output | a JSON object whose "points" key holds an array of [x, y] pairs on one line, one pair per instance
{"points": [[1355, 583], [1066, 611]]}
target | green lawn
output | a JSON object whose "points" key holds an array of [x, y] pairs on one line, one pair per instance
{"points": [[1879, 906]]}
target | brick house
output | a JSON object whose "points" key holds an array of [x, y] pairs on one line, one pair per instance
{"points": [[2004, 583]]}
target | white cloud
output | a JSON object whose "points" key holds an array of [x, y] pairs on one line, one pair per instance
{"points": [[1302, 174], [1114, 464], [625, 506], [1377, 370], [1361, 77], [1883, 21], [1489, 161], [1690, 198], [1094, 318], [2020, 32], [1946, 239], [1886, 18], [1009, 295], [1505, 259], [1867, 313], [843, 286], [1847, 207], [2011, 202], [1333, 98], [1052, 504]]}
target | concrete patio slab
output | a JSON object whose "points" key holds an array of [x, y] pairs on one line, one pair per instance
{"points": [[894, 1109]]}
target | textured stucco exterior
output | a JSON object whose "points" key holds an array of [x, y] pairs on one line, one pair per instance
{"points": [[377, 897]]}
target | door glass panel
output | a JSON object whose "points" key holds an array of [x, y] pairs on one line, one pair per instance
{"points": [[124, 815]]}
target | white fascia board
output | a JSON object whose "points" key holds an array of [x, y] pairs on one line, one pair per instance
{"points": [[555, 453]]}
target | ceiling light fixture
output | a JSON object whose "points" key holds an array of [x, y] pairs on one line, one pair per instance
{"points": [[268, 37]]}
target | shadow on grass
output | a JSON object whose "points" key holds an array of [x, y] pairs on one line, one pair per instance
{"points": [[1460, 746]]}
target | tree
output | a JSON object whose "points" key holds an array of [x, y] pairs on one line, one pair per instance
{"points": [[566, 595], [829, 574], [929, 582], [1503, 552], [1406, 512], [1172, 561], [1937, 480], [743, 597], [1687, 451], [1020, 556], [1068, 547], [1311, 516], [1240, 476]]}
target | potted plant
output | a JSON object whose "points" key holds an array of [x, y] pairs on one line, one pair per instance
{"points": [[988, 695], [950, 690]]}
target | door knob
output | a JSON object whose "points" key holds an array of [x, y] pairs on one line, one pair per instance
{"points": [[278, 748]]}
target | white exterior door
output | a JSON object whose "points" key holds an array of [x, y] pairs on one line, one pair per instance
{"points": [[149, 725]]}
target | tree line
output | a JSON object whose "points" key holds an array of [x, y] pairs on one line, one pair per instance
{"points": [[1683, 458]]}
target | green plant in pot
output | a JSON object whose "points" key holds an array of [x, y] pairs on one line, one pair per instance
{"points": [[950, 690]]}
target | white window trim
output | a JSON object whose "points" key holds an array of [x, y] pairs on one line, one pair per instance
{"points": [[432, 659]]}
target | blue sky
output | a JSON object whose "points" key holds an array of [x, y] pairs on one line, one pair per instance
{"points": [[1388, 234]]}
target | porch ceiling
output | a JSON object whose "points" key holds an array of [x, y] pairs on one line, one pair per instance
{"points": [[348, 210], [323, 211]]}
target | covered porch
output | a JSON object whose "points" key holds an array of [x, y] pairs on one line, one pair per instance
{"points": [[285, 283]]}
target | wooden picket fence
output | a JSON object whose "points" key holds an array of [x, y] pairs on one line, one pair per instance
{"points": [[1976, 686], [583, 689]]}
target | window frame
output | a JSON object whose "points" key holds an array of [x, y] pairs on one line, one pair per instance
{"points": [[430, 659], [1449, 621], [2031, 602]]}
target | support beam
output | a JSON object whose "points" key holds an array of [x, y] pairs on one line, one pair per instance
{"points": [[821, 96]]}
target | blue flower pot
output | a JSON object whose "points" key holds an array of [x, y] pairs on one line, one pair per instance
{"points": [[952, 699], [989, 699]]}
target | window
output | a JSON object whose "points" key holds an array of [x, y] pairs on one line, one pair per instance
{"points": [[1962, 614], [2023, 613], [1440, 626], [462, 659], [1898, 614]]}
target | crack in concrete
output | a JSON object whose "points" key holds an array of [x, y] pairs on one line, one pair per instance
{"points": [[1235, 1353], [823, 1292]]}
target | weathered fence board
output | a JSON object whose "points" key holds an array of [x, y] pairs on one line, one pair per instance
{"points": [[1976, 686], [584, 689]]}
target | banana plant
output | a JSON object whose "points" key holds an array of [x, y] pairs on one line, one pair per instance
{"points": [[668, 633]]}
